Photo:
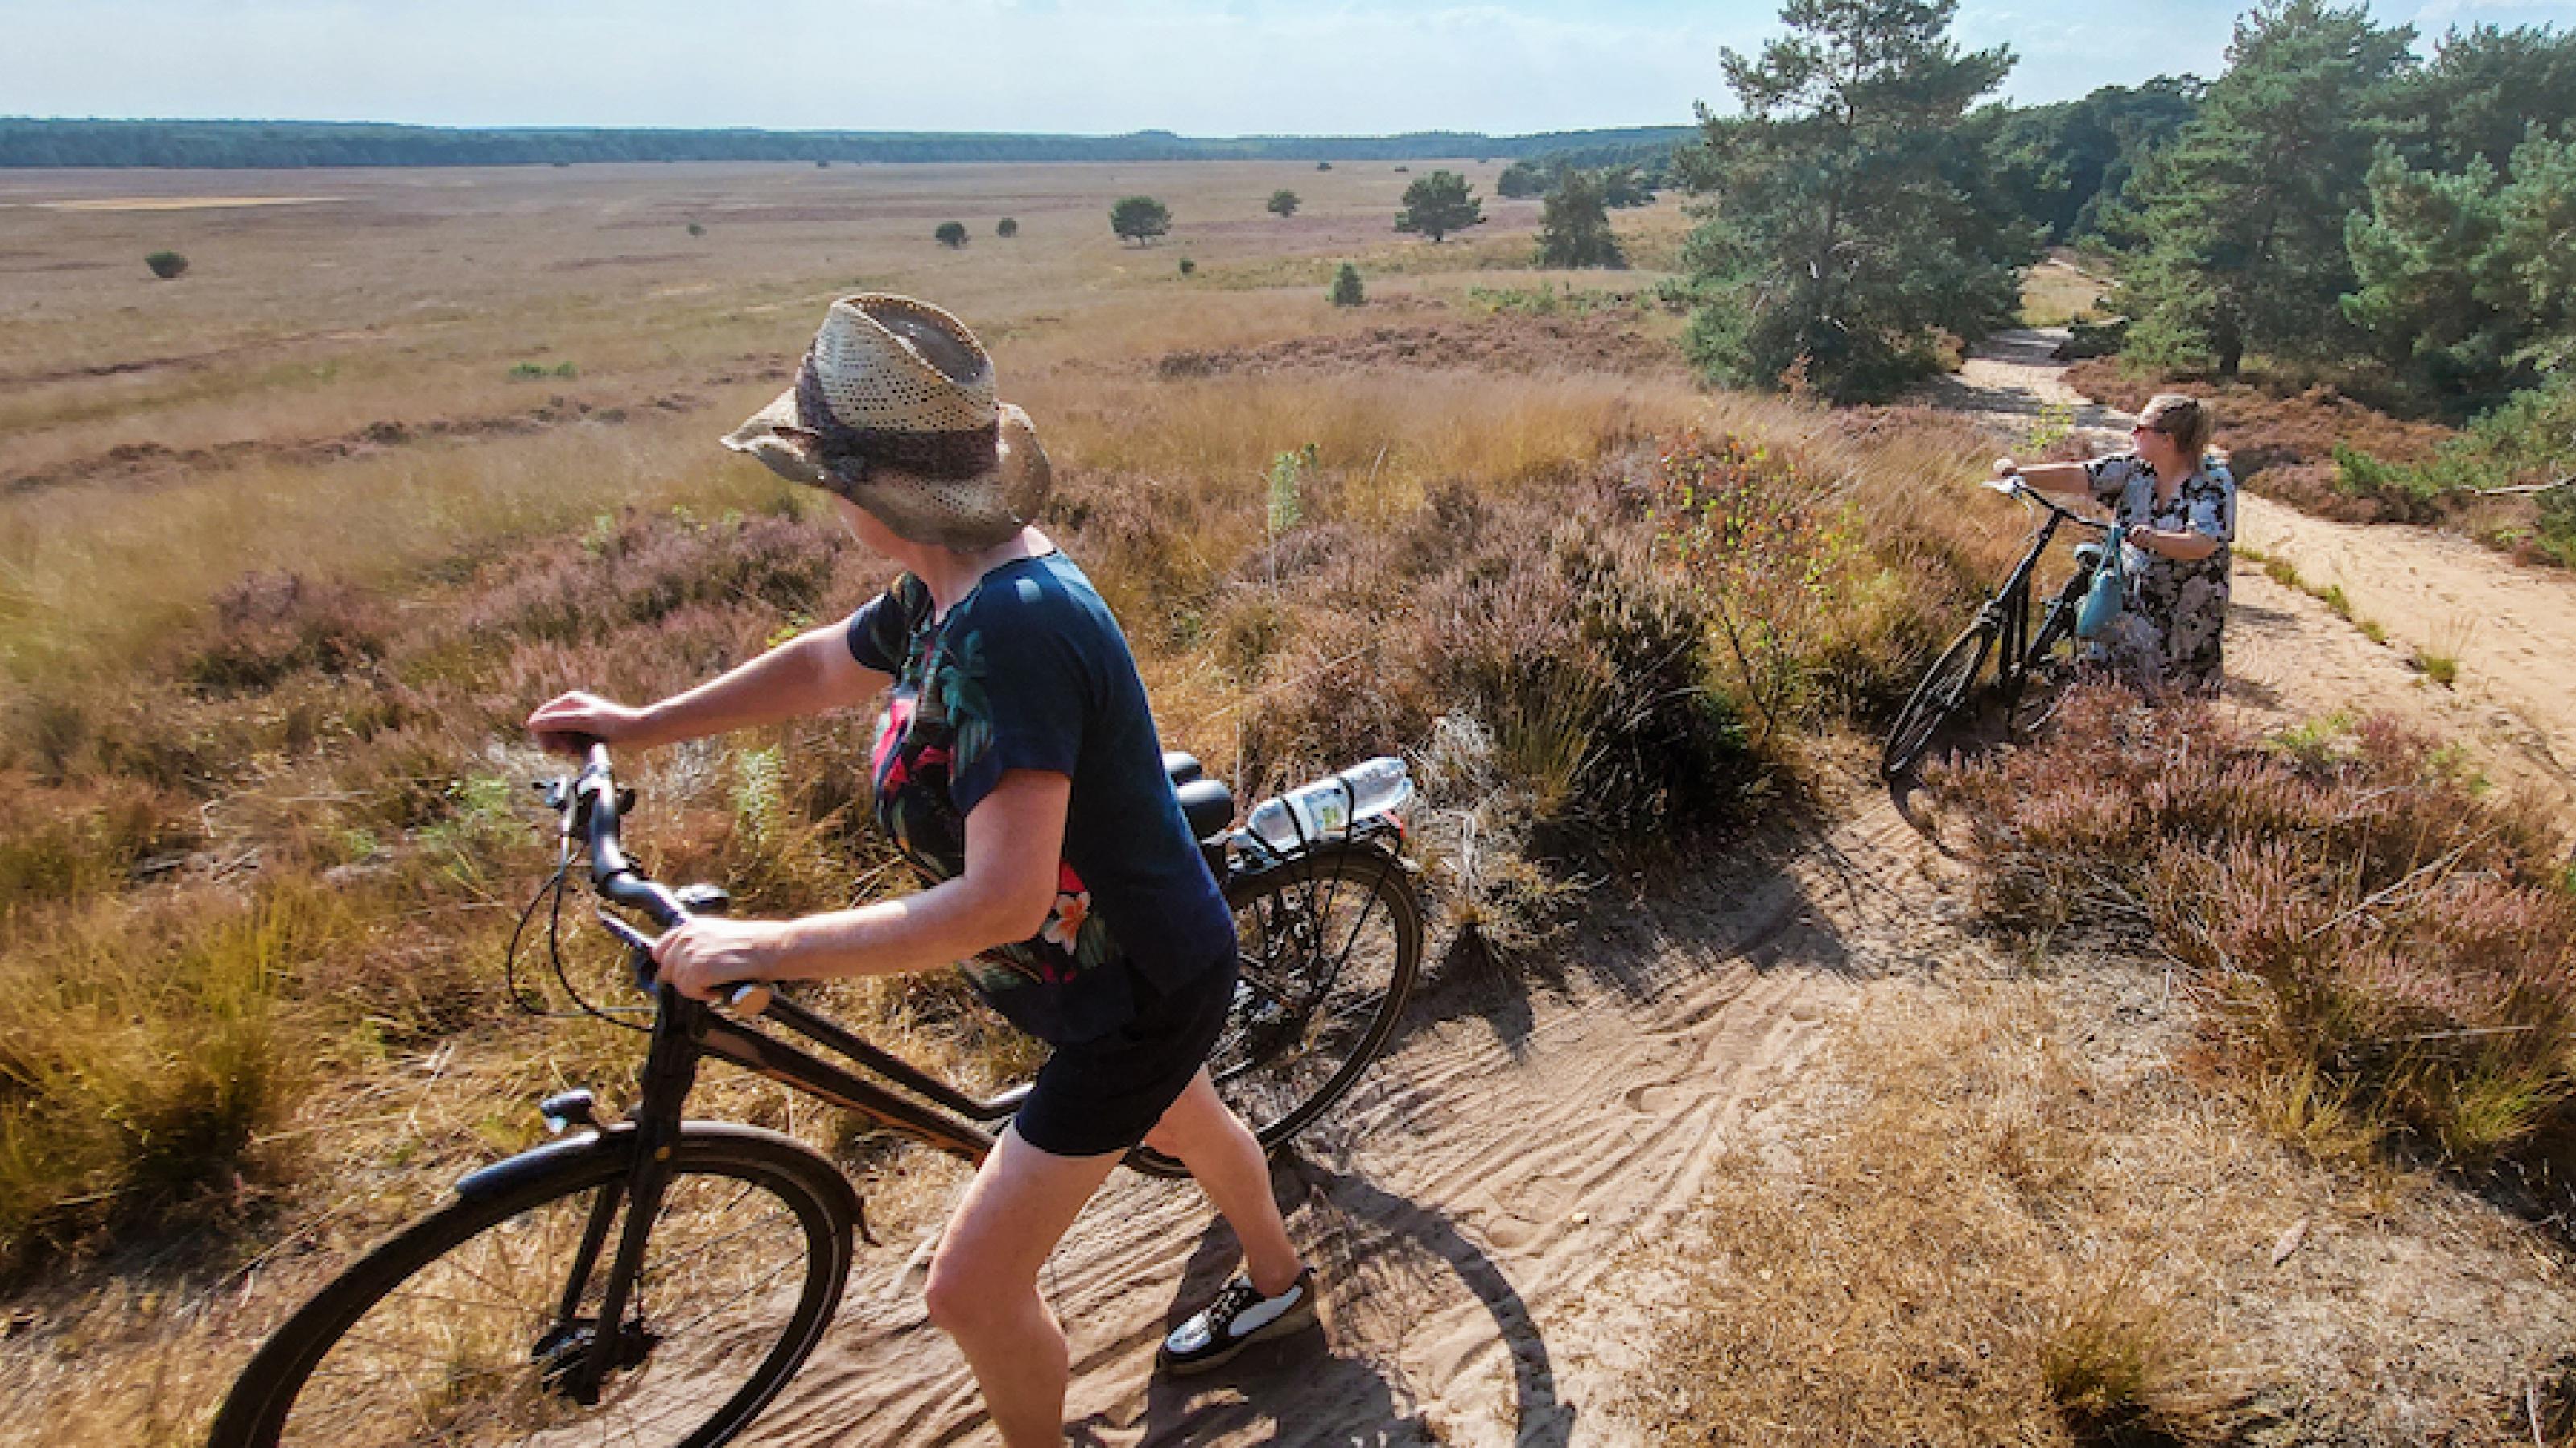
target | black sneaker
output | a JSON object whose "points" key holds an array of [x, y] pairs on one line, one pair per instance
{"points": [[1239, 1317]]}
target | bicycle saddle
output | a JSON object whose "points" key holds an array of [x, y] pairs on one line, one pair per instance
{"points": [[1206, 803]]}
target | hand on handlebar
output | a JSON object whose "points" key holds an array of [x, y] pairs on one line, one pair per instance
{"points": [[710, 952], [571, 723]]}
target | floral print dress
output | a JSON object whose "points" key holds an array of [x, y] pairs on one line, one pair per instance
{"points": [[2169, 635]]}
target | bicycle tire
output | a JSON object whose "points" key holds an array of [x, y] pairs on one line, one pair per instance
{"points": [[1328, 945], [1944, 687], [447, 1358]]}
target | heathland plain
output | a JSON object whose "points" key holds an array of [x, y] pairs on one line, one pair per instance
{"points": [[289, 543]]}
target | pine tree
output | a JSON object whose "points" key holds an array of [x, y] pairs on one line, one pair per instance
{"points": [[1844, 224], [1139, 219], [1438, 204], [1574, 224], [2243, 215]]}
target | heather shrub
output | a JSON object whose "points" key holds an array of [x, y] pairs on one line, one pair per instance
{"points": [[640, 568], [2367, 926], [269, 625]]}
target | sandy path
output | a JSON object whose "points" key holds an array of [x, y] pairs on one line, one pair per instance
{"points": [[2512, 628], [1464, 1205]]}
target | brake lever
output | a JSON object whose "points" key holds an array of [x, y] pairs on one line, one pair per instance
{"points": [[749, 999], [639, 946]]}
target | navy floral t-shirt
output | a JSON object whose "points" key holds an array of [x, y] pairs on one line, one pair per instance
{"points": [[1029, 671]]}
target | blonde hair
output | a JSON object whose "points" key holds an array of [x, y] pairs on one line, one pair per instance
{"points": [[2186, 420]]}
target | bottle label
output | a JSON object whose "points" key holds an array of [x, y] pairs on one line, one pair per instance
{"points": [[1328, 813]]}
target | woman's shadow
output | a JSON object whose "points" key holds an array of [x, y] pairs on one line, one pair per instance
{"points": [[1379, 1260]]}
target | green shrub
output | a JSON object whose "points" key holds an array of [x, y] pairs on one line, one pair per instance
{"points": [[1188, 266], [1007, 227], [166, 264], [951, 234], [1346, 291]]}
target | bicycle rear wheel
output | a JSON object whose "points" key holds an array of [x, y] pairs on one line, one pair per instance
{"points": [[1327, 945], [1944, 688], [456, 1331]]}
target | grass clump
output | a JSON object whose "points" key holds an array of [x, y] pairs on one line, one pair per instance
{"points": [[1951, 1253], [2370, 929], [2441, 668], [136, 1084]]}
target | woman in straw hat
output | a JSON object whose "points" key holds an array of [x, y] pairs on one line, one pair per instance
{"points": [[1017, 767], [2173, 503]]}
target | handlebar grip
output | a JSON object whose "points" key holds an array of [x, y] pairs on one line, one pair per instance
{"points": [[748, 1000]]}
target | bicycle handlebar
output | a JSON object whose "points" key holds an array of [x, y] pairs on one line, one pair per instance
{"points": [[2014, 487], [594, 800]]}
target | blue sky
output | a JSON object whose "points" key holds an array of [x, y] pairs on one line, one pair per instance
{"points": [[1199, 67]]}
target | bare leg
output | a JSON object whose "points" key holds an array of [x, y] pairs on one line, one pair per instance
{"points": [[983, 1288], [1225, 1157]]}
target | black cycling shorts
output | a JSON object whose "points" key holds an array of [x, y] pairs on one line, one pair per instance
{"points": [[1102, 1095]]}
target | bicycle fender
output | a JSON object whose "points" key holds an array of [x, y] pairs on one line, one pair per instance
{"points": [[536, 1161], [619, 1140]]}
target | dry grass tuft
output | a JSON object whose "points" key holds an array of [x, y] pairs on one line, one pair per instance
{"points": [[1926, 1261]]}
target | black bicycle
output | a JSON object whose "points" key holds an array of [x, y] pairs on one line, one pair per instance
{"points": [[658, 1280], [2003, 630]]}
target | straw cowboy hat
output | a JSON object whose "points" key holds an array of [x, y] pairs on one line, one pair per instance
{"points": [[893, 409]]}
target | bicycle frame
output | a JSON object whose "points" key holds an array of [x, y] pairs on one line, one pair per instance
{"points": [[686, 1032], [2010, 608]]}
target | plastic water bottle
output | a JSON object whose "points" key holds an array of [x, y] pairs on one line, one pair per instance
{"points": [[1327, 808]]}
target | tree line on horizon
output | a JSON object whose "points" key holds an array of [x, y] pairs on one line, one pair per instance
{"points": [[287, 145]]}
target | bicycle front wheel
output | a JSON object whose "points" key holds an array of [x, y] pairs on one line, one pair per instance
{"points": [[467, 1328], [1327, 947], [1944, 688]]}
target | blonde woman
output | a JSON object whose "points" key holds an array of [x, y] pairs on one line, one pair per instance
{"points": [[1017, 767], [2173, 502]]}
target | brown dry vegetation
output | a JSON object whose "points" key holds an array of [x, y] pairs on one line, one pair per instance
{"points": [[287, 585], [2388, 960], [2000, 1212], [292, 551]]}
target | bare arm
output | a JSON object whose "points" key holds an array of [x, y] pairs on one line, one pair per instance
{"points": [[1014, 843], [2066, 480], [812, 673], [2184, 545]]}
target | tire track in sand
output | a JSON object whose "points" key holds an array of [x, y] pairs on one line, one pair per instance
{"points": [[1465, 1207]]}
